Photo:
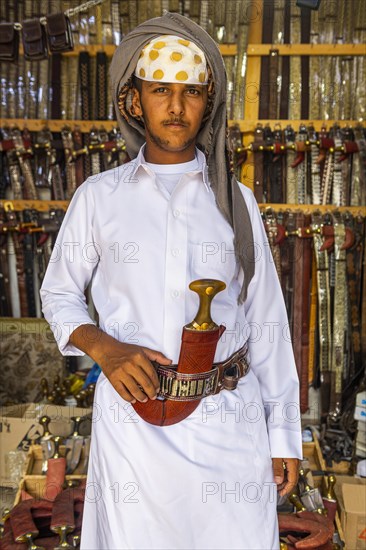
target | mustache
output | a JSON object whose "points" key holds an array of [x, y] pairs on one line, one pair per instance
{"points": [[175, 121]]}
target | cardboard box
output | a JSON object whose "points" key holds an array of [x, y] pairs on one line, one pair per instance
{"points": [[351, 495], [19, 427]]}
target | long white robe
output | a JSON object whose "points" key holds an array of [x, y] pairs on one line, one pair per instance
{"points": [[207, 481]]}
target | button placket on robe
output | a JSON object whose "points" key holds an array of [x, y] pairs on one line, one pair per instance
{"points": [[176, 263]]}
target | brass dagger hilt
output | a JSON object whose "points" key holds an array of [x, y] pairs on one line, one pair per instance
{"points": [[329, 494], [206, 290], [45, 421], [295, 500], [76, 421], [57, 441]]}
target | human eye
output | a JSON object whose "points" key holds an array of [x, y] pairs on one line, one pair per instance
{"points": [[193, 91], [160, 89]]}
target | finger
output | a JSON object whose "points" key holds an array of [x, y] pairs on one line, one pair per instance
{"points": [[154, 355], [134, 389], [150, 371], [143, 380], [125, 394], [287, 489], [278, 472]]}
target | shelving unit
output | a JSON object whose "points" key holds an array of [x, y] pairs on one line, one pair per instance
{"points": [[45, 206], [255, 50]]}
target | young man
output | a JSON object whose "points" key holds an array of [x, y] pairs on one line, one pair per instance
{"points": [[141, 234]]}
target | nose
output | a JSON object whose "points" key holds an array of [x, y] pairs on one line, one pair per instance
{"points": [[176, 106]]}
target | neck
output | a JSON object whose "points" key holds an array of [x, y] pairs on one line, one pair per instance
{"points": [[157, 155]]}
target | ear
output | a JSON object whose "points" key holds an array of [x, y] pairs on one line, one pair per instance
{"points": [[136, 103]]}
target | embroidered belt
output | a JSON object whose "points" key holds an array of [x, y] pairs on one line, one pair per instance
{"points": [[322, 262], [178, 386], [339, 316]]}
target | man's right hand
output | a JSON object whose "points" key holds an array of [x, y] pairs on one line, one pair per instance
{"points": [[126, 366]]}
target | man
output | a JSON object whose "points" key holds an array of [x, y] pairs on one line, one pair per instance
{"points": [[141, 234]]}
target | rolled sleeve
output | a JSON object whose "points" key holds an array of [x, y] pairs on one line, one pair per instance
{"points": [[69, 272]]}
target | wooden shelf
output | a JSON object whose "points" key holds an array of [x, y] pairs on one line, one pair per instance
{"points": [[36, 125], [307, 49], [355, 210], [246, 126], [41, 206], [109, 49], [45, 206]]}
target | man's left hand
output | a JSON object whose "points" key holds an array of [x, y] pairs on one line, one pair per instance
{"points": [[286, 473]]}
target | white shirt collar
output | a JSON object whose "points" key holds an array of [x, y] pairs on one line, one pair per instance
{"points": [[140, 161]]}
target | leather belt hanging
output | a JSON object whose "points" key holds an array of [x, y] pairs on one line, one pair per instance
{"points": [[291, 179], [79, 162], [327, 177], [278, 184], [305, 84], [13, 168], [29, 188], [314, 99], [271, 229], [301, 166], [315, 167], [273, 76], [305, 321], [84, 72], [12, 222], [354, 283], [95, 154], [337, 188], [324, 323], [258, 163], [5, 301], [101, 86], [295, 66], [285, 80], [290, 280], [313, 322], [56, 86], [268, 174], [267, 30], [28, 245], [339, 317], [298, 278], [70, 169]]}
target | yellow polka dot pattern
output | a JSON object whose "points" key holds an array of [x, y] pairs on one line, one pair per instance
{"points": [[181, 76], [158, 75], [170, 59], [153, 54]]}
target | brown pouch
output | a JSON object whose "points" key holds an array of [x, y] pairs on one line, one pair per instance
{"points": [[59, 33], [34, 40], [9, 42]]}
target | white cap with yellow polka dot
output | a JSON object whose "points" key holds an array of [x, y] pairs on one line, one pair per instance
{"points": [[172, 59]]}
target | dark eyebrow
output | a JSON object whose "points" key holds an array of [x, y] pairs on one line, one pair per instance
{"points": [[171, 83]]}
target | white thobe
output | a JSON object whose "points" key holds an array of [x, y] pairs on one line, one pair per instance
{"points": [[206, 482]]}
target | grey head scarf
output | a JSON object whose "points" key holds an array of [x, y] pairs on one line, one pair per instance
{"points": [[212, 138]]}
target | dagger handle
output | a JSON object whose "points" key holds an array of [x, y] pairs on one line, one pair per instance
{"points": [[330, 495], [295, 500], [63, 531], [44, 422], [76, 425], [57, 441], [206, 290]]}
